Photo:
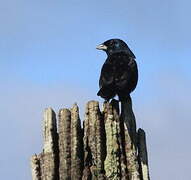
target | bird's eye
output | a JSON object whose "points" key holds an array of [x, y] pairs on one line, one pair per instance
{"points": [[117, 45], [111, 43]]}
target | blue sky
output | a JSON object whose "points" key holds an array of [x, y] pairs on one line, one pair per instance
{"points": [[48, 58]]}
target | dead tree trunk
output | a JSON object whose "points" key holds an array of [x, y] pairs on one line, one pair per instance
{"points": [[107, 147]]}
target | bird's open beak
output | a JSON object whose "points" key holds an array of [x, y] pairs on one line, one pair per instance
{"points": [[101, 47]]}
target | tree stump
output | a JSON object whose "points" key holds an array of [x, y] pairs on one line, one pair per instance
{"points": [[107, 147]]}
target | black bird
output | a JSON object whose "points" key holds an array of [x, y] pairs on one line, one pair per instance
{"points": [[119, 74]]}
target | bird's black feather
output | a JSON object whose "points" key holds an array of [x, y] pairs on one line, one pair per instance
{"points": [[119, 74]]}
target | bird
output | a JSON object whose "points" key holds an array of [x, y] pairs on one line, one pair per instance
{"points": [[119, 73]]}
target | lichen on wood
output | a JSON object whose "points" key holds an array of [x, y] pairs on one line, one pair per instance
{"points": [[115, 164], [49, 156], [64, 144], [70, 144], [35, 167], [107, 147], [76, 144], [94, 142], [129, 123]]}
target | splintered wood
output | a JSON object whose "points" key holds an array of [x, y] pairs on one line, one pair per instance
{"points": [[107, 147]]}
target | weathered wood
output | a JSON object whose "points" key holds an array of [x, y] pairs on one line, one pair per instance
{"points": [[107, 148], [49, 156], [76, 144], [131, 157], [70, 144], [64, 144], [143, 157], [94, 142], [129, 122], [35, 167], [115, 164]]}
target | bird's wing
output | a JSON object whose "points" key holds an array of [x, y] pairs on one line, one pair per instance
{"points": [[127, 75], [107, 73]]}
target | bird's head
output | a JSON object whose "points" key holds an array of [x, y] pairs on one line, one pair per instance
{"points": [[113, 46]]}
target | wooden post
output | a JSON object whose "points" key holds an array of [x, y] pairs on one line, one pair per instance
{"points": [[143, 157], [107, 147]]}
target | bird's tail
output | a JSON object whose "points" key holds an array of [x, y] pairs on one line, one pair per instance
{"points": [[129, 118], [124, 97]]}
